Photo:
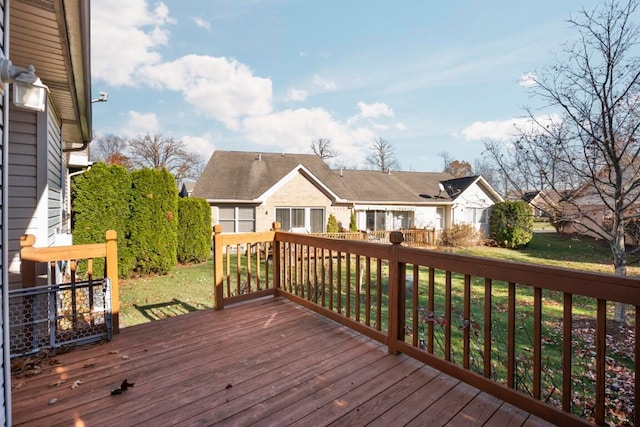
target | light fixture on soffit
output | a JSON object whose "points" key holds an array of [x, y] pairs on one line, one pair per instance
{"points": [[28, 90]]}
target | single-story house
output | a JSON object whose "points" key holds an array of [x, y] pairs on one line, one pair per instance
{"points": [[248, 191], [39, 143]]}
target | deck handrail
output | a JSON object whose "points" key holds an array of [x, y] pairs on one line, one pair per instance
{"points": [[30, 256], [345, 280]]}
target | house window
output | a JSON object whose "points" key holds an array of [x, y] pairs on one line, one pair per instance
{"points": [[237, 219], [376, 220], [310, 220], [476, 215], [439, 220]]}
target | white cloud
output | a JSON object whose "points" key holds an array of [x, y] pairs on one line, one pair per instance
{"points": [[505, 129], [303, 54], [221, 88], [140, 124], [374, 110], [528, 80], [400, 126], [126, 35], [297, 95], [293, 131], [325, 84], [202, 23], [201, 145]]}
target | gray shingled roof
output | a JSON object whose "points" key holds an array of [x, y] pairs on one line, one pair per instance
{"points": [[239, 175], [236, 175], [397, 186]]}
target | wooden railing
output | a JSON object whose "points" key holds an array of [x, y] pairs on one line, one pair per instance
{"points": [[425, 237], [30, 256], [533, 336]]}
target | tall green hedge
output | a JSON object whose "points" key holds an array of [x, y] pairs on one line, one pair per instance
{"points": [[194, 229], [153, 225], [101, 202], [511, 224]]}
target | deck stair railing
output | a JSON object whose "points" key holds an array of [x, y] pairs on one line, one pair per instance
{"points": [[540, 338], [64, 263]]}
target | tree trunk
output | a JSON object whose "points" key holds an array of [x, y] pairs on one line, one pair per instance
{"points": [[620, 264]]}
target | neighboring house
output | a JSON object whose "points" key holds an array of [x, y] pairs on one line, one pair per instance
{"points": [[247, 191], [186, 189], [38, 147]]}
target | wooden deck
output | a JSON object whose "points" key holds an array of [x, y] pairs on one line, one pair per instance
{"points": [[268, 362]]}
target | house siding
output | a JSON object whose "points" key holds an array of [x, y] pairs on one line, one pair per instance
{"points": [[55, 176], [298, 192], [27, 184], [5, 378]]}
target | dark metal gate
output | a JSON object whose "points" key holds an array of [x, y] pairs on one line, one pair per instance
{"points": [[49, 317]]}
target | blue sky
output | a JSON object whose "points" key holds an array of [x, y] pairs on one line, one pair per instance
{"points": [[273, 75]]}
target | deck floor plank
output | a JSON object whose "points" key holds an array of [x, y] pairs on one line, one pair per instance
{"points": [[268, 362]]}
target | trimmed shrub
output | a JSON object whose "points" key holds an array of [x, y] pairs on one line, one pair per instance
{"points": [[511, 224], [353, 226], [461, 235], [194, 229], [332, 224], [153, 223], [101, 202]]}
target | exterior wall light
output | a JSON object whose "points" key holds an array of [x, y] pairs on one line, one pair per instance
{"points": [[28, 91]]}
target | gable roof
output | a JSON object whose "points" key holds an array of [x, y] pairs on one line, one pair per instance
{"points": [[245, 176], [457, 186]]}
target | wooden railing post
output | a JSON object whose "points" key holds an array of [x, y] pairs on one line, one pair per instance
{"points": [[277, 259], [27, 267], [111, 271], [396, 293], [218, 277]]}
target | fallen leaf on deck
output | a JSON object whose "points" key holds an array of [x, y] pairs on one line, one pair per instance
{"points": [[75, 384], [18, 385], [89, 365], [57, 383], [228, 386], [53, 401]]}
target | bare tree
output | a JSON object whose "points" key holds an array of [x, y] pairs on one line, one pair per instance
{"points": [[321, 147], [595, 86], [382, 155], [157, 151], [108, 147]]}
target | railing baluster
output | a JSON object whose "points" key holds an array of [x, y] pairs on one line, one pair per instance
{"points": [[248, 255], [258, 266], [238, 268], [379, 294], [357, 286], [447, 317], [567, 339], [601, 349], [511, 335], [367, 309], [537, 342], [347, 285], [430, 309], [331, 279], [323, 273], [416, 291], [307, 269], [316, 288], [487, 328], [228, 270], [339, 284], [466, 356]]}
